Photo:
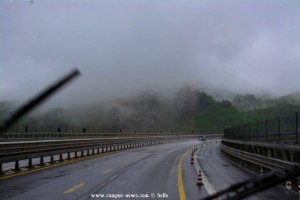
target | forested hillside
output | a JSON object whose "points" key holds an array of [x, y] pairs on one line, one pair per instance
{"points": [[188, 110]]}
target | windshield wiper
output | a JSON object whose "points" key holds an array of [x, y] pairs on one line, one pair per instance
{"points": [[38, 99]]}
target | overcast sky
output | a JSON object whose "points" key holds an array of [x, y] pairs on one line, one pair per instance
{"points": [[123, 47]]}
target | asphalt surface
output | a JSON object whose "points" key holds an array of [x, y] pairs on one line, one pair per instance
{"points": [[151, 170], [221, 173], [142, 173]]}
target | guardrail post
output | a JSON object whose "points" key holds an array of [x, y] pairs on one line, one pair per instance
{"points": [[29, 162], [42, 161], [1, 168], [69, 155], [296, 116], [76, 154], [17, 166], [51, 159], [60, 157]]}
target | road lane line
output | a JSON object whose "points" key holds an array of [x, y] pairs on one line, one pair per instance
{"points": [[125, 162], [53, 165], [209, 188], [180, 179], [106, 171], [74, 188]]}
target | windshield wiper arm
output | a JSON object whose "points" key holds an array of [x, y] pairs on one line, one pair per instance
{"points": [[38, 99]]}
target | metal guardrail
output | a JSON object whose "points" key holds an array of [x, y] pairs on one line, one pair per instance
{"points": [[43, 136], [263, 158], [270, 163], [253, 144]]}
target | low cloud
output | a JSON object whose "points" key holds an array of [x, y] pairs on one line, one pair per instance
{"points": [[125, 47]]}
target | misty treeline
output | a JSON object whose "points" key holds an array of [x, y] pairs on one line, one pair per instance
{"points": [[188, 110]]}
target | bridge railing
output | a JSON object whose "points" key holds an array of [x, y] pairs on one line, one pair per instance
{"points": [[59, 133], [283, 129]]}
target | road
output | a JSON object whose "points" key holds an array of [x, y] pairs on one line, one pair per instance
{"points": [[151, 170], [145, 171], [221, 173]]}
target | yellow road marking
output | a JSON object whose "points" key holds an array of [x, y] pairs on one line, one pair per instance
{"points": [[53, 165], [74, 188], [180, 179], [106, 171], [125, 162]]}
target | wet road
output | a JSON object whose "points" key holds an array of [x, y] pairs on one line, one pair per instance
{"points": [[151, 171], [144, 172], [221, 173]]}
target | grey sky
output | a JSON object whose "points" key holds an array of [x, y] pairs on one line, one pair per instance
{"points": [[123, 47]]}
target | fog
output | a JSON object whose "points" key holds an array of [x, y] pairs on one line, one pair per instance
{"points": [[123, 48]]}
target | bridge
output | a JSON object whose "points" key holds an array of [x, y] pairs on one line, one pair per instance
{"points": [[119, 165]]}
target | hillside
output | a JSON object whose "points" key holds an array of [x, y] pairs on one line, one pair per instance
{"points": [[188, 110]]}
